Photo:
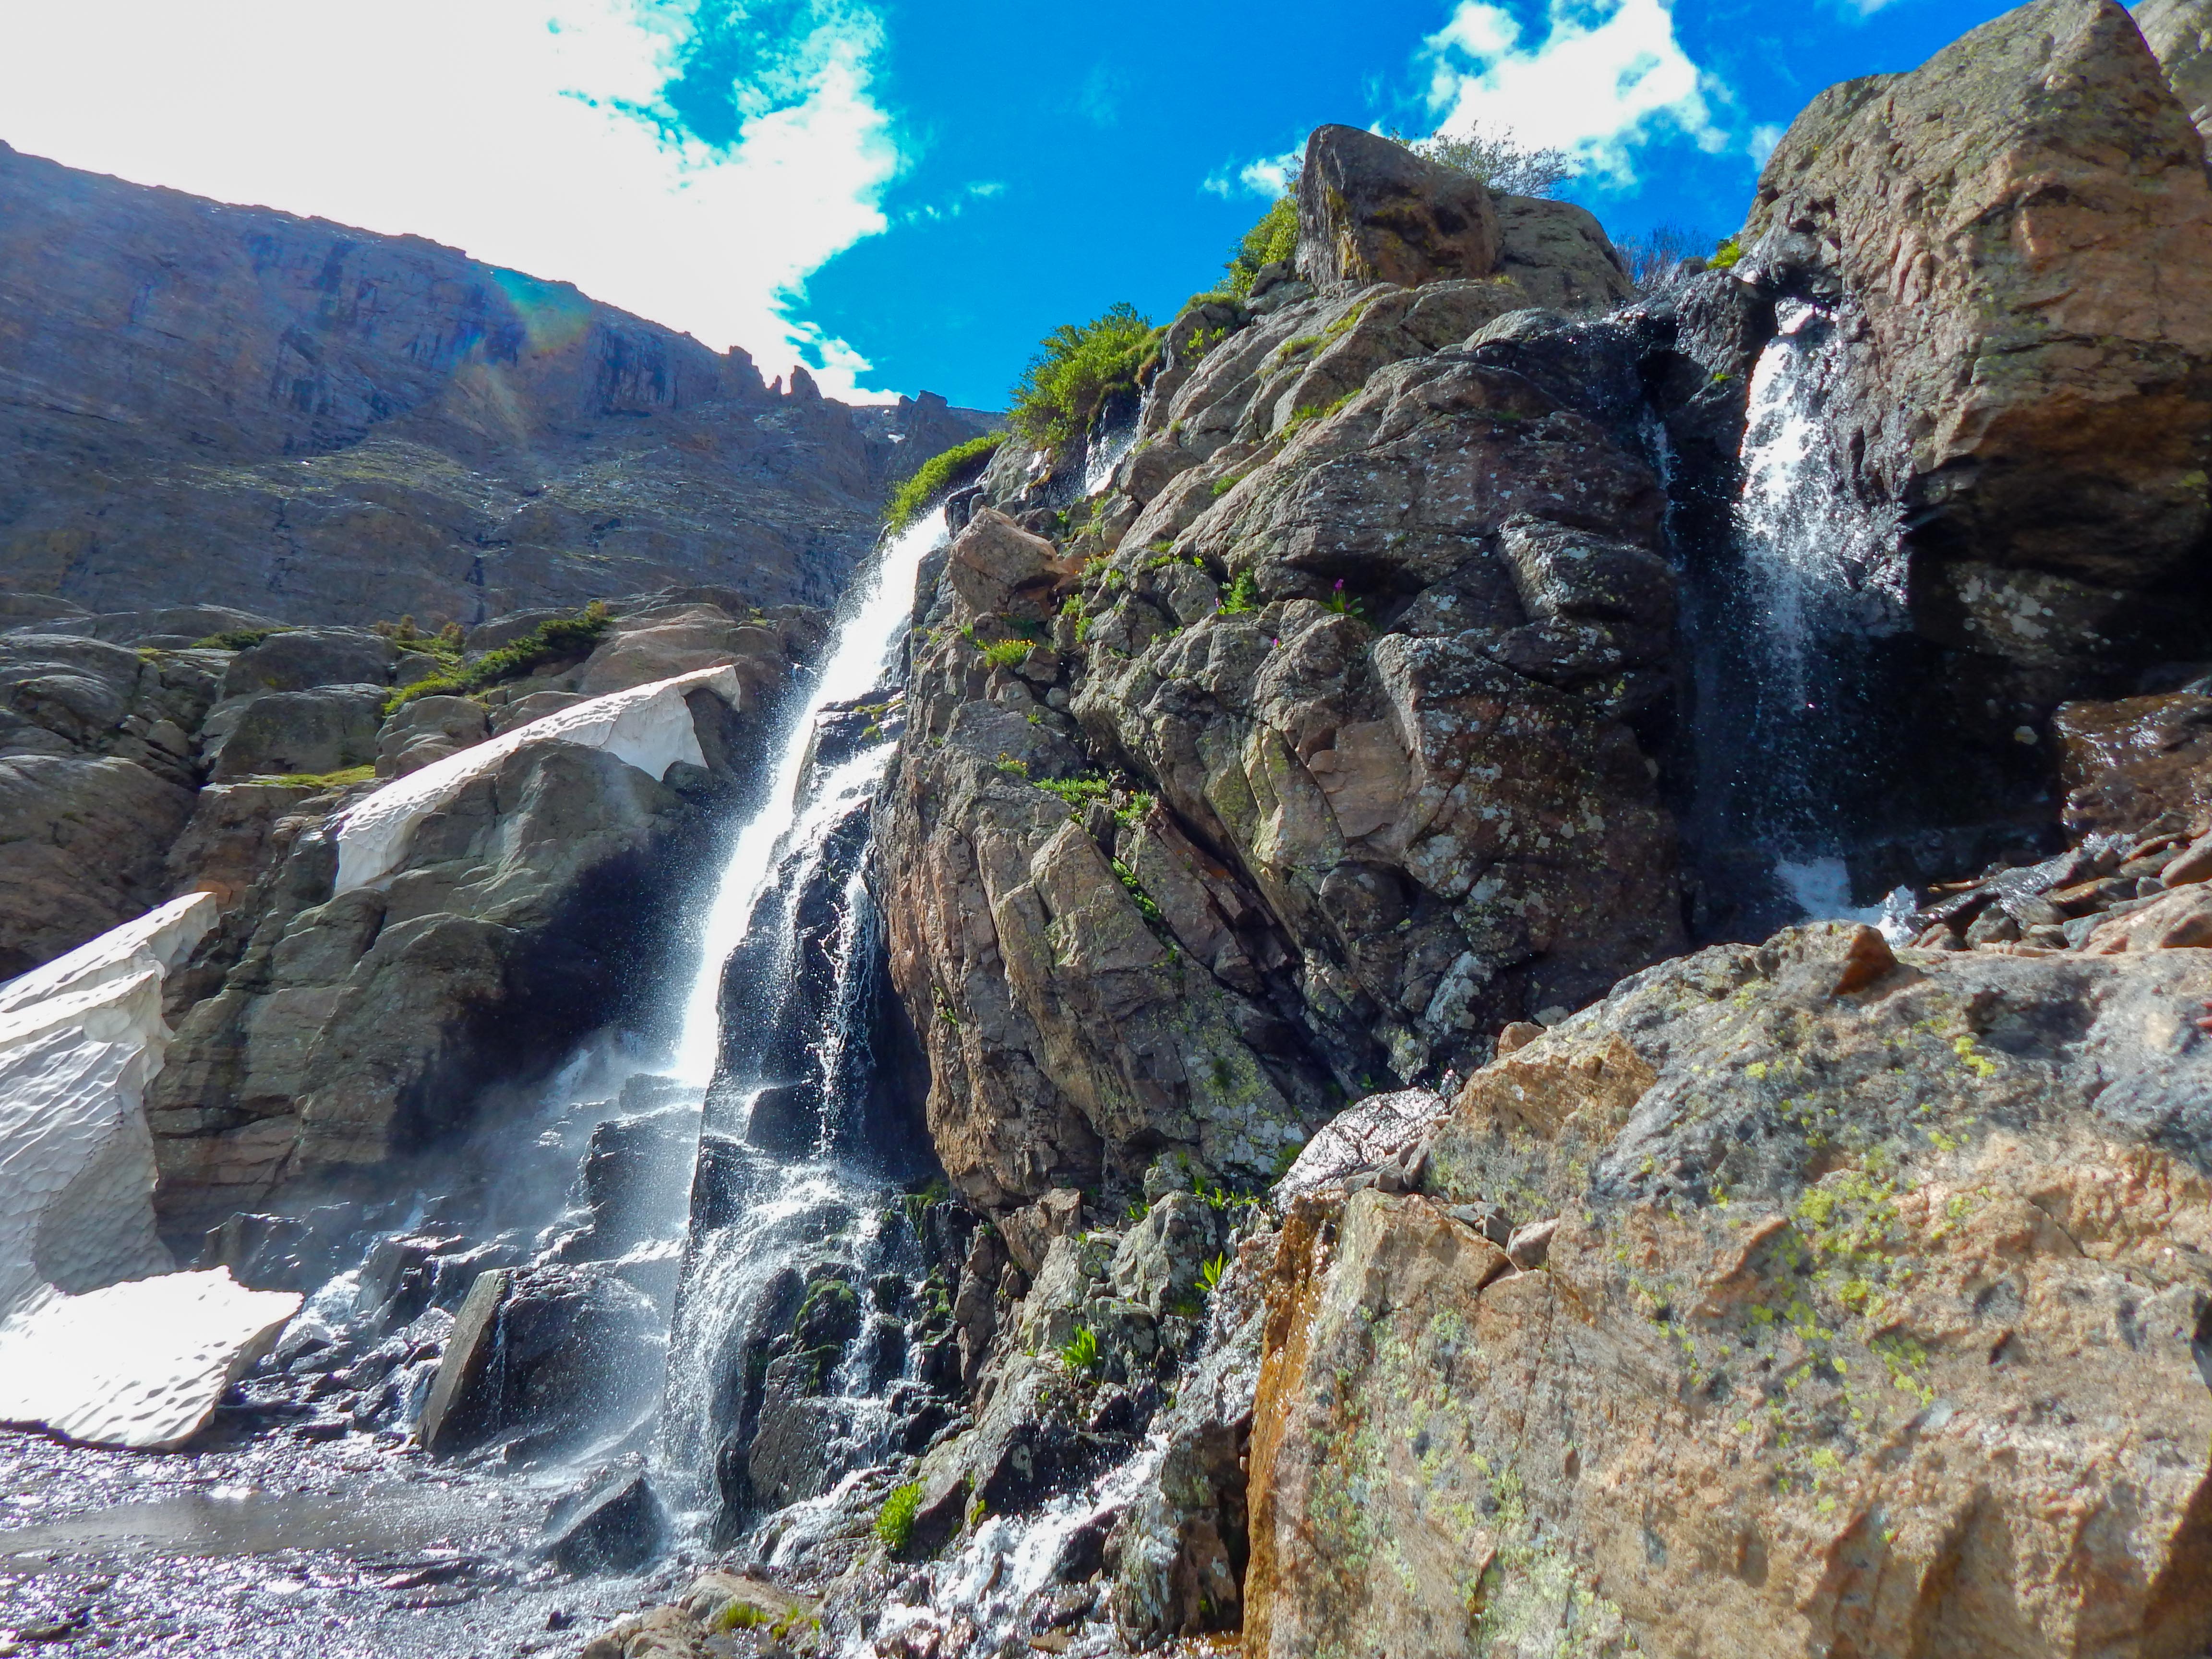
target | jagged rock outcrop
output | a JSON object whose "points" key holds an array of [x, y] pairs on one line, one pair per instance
{"points": [[1854, 1263], [2017, 233], [208, 404], [1193, 823]]}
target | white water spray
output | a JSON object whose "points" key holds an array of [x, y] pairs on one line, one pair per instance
{"points": [[1818, 558]]}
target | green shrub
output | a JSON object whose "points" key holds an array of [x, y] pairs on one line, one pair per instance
{"points": [[1243, 594], [238, 639], [895, 1520], [557, 639], [1726, 255], [1496, 157], [1273, 239], [1080, 1351], [937, 476], [1007, 654], [1077, 792], [1075, 370]]}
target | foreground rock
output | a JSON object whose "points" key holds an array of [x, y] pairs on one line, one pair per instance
{"points": [[99, 1341], [1842, 1285]]}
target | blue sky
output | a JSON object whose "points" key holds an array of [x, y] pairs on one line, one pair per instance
{"points": [[905, 194]]}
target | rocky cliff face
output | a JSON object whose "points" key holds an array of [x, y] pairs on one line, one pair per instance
{"points": [[214, 404], [1763, 1305], [1303, 757]]}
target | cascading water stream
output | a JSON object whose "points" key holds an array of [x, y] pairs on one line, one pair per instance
{"points": [[775, 1030], [1821, 578]]}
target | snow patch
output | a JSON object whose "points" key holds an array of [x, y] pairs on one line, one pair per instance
{"points": [[80, 1039], [137, 1362], [140, 1364], [647, 726]]}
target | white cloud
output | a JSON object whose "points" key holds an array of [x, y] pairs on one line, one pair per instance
{"points": [[487, 125], [1267, 177], [1608, 76]]}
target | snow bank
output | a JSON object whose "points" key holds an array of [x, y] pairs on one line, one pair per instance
{"points": [[142, 1365], [647, 726], [80, 1039]]}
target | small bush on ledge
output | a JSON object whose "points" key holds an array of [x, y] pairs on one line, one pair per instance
{"points": [[935, 476]]}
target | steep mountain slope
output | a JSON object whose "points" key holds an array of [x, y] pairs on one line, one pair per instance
{"points": [[202, 404]]}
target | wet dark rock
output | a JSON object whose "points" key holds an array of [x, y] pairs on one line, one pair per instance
{"points": [[616, 1525]]}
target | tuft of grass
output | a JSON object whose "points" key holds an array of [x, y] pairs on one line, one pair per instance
{"points": [[1312, 412], [1080, 1353], [238, 639], [338, 779], [559, 639], [1076, 367], [895, 1520], [937, 476]]}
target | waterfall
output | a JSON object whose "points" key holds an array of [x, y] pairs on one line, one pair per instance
{"points": [[1790, 677], [792, 1164], [862, 653]]}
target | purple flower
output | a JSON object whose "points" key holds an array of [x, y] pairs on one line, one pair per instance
{"points": [[1339, 584]]}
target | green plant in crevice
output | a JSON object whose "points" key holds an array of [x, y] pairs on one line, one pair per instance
{"points": [[1080, 1353], [935, 476], [1241, 596], [1147, 906], [1343, 604], [895, 1520], [1007, 654], [1209, 1276], [1727, 254]]}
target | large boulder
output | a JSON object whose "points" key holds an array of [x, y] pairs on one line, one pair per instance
{"points": [[82, 843], [2022, 231], [299, 658], [1559, 255], [1370, 210], [1849, 1265], [331, 728]]}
